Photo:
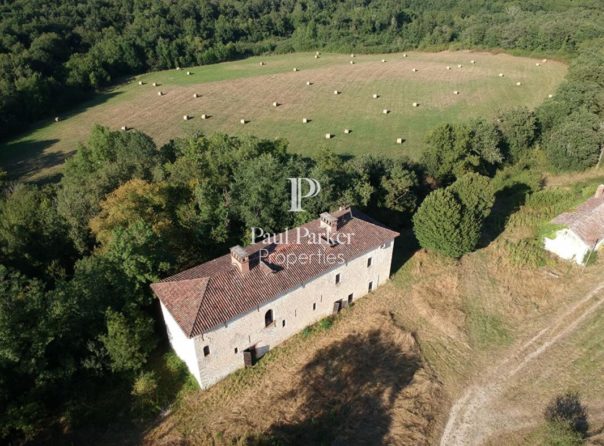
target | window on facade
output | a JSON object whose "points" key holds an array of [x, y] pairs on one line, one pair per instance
{"points": [[314, 306], [206, 350], [370, 286], [368, 262], [337, 278], [268, 318], [283, 323]]}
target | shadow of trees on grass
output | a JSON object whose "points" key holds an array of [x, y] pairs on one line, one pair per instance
{"points": [[348, 391]]}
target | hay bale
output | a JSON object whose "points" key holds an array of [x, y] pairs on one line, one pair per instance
{"points": [[318, 53], [550, 96], [204, 116], [383, 60], [336, 92], [375, 95], [261, 64], [544, 60], [309, 83], [243, 121], [276, 104], [195, 95], [537, 64], [352, 55], [124, 128], [352, 62], [295, 69], [57, 119], [456, 92], [188, 73], [385, 111], [459, 66], [416, 104], [305, 120], [316, 56], [518, 84], [448, 67], [399, 140], [154, 84], [141, 83], [328, 136], [472, 61], [177, 68], [347, 131], [185, 117], [414, 70], [160, 93], [404, 54], [500, 74]]}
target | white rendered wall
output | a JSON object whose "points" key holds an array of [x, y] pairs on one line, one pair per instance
{"points": [[182, 345], [295, 308], [568, 246]]}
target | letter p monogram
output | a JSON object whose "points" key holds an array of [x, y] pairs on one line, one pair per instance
{"points": [[296, 189]]}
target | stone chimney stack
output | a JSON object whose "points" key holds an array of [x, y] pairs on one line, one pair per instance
{"points": [[240, 259], [600, 191], [329, 222]]}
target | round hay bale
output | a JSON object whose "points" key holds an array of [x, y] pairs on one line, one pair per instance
{"points": [[316, 56], [375, 96], [347, 131], [500, 74], [141, 83], [537, 64], [204, 116], [544, 60], [404, 54], [414, 70], [472, 61], [399, 140], [518, 84], [160, 93], [318, 53], [352, 62], [295, 69], [352, 55], [385, 111], [243, 121], [305, 120], [276, 104], [185, 117], [188, 73], [416, 104], [459, 66], [456, 92], [57, 119], [124, 128], [154, 84], [383, 60], [336, 92], [195, 95], [550, 96], [177, 68], [328, 136], [261, 64], [448, 67], [308, 83]]}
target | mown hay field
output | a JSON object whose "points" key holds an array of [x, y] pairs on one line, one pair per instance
{"points": [[246, 90]]}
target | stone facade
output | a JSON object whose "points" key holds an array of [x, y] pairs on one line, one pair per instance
{"points": [[218, 352]]}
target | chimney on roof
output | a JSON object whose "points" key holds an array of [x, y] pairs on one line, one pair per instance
{"points": [[599, 191], [329, 222], [240, 258]]}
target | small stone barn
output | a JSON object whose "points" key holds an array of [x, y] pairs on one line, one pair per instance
{"points": [[224, 314], [582, 232]]}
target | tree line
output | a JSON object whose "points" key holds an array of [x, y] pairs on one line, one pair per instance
{"points": [[54, 54]]}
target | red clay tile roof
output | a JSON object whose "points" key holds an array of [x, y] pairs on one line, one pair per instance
{"points": [[215, 292], [587, 221]]}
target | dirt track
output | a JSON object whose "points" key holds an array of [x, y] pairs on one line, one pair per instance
{"points": [[474, 417]]}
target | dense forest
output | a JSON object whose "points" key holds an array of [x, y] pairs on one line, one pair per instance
{"points": [[55, 53], [81, 341]]}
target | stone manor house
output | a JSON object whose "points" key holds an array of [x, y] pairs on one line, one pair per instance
{"points": [[224, 314]]}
